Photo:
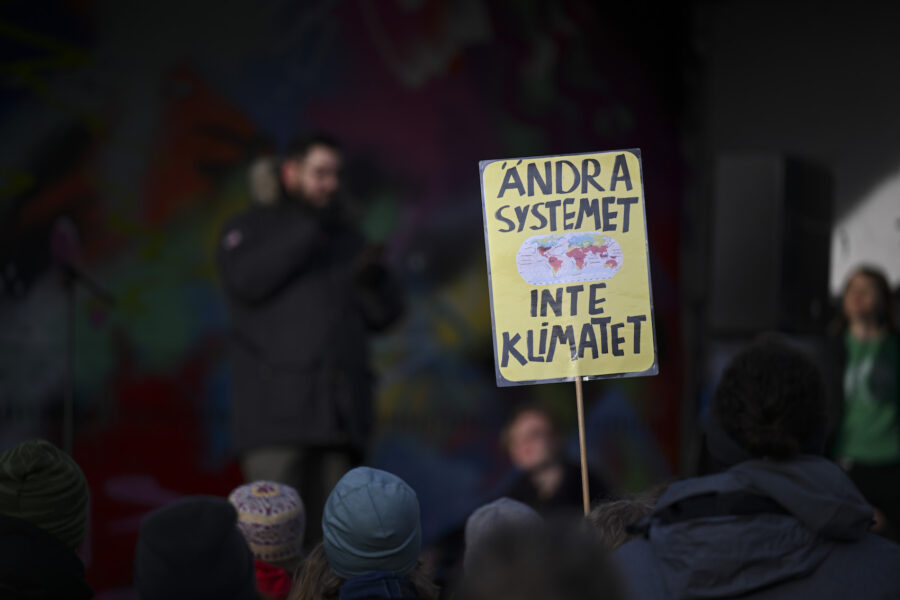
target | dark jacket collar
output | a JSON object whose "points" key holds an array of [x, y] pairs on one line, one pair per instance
{"points": [[376, 585]]}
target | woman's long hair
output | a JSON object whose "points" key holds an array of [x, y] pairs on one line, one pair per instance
{"points": [[314, 580]]}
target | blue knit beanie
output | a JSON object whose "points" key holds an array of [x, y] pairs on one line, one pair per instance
{"points": [[371, 523]]}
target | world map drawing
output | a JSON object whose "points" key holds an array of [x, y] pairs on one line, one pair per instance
{"points": [[570, 257]]}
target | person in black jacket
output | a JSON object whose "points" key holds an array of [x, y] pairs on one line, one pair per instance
{"points": [[304, 291]]}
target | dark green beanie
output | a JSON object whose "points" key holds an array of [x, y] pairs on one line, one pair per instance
{"points": [[41, 484]]}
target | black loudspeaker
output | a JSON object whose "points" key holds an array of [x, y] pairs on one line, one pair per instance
{"points": [[771, 244]]}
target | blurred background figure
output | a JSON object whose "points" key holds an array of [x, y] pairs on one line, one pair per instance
{"points": [[865, 382], [492, 517], [555, 562], [304, 291], [193, 550], [549, 482], [44, 507], [272, 519]]}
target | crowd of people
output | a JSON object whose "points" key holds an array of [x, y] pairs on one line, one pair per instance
{"points": [[799, 497], [778, 520]]}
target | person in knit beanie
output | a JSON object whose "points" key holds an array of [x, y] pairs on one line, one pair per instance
{"points": [[556, 561], [193, 550], [272, 518], [44, 505], [372, 538], [41, 484], [499, 514]]}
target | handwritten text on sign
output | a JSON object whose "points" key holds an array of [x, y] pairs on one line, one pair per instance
{"points": [[567, 259]]}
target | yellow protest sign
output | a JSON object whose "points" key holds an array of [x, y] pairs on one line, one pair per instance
{"points": [[568, 267]]}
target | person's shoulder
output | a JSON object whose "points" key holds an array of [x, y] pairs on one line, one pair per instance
{"points": [[870, 564], [635, 557], [874, 545], [866, 568], [639, 547], [636, 564]]}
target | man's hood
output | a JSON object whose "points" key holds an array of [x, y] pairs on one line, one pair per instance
{"points": [[814, 504]]}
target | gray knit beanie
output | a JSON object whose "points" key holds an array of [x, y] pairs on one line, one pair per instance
{"points": [[371, 523], [493, 517]]}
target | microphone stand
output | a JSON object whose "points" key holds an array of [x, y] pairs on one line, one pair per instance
{"points": [[73, 276]]}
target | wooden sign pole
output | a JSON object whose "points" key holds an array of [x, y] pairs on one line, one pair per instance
{"points": [[585, 492]]}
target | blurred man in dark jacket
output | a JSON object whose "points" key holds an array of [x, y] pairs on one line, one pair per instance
{"points": [[304, 292]]}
